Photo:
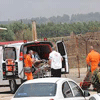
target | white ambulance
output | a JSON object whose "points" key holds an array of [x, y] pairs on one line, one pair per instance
{"points": [[12, 59]]}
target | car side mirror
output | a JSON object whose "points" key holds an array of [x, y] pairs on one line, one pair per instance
{"points": [[86, 93]]}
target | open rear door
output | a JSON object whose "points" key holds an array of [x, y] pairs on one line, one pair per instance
{"points": [[1, 57], [62, 50]]}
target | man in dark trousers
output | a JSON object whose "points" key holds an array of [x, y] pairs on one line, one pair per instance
{"points": [[55, 60]]}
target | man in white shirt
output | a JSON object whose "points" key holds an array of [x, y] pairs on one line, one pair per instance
{"points": [[55, 60]]}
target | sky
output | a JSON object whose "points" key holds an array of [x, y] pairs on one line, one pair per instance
{"points": [[22, 9]]}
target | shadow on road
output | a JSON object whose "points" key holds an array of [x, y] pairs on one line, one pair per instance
{"points": [[6, 92]]}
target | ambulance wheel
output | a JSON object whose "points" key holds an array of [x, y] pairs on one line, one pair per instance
{"points": [[13, 86]]}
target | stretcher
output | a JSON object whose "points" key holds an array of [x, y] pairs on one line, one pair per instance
{"points": [[42, 70], [87, 81]]}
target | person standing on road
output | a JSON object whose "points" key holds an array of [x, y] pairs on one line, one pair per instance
{"points": [[55, 60], [93, 59], [29, 61]]}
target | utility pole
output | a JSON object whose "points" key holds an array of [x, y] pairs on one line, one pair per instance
{"points": [[34, 35], [77, 52]]}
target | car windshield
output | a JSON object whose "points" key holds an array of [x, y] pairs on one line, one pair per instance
{"points": [[36, 90]]}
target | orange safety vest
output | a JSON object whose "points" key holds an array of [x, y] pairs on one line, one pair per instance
{"points": [[93, 58], [28, 63]]}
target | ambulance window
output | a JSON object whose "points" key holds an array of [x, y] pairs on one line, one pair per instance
{"points": [[9, 53]]}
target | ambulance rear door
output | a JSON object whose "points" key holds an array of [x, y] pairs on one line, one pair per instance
{"points": [[62, 50], [1, 58]]}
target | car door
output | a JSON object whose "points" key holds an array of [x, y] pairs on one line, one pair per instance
{"points": [[68, 93], [62, 50], [77, 92]]}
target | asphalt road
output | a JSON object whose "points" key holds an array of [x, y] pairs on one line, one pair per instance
{"points": [[5, 91]]}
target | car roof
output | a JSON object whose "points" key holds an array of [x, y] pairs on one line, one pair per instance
{"points": [[47, 80]]}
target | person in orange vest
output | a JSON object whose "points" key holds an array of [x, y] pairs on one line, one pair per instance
{"points": [[29, 61], [93, 59]]}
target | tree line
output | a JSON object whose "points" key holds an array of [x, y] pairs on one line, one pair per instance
{"points": [[20, 31], [61, 19]]}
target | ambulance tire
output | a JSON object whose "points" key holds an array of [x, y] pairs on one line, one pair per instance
{"points": [[13, 86]]}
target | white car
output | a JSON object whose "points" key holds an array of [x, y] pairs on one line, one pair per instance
{"points": [[50, 89], [95, 97]]}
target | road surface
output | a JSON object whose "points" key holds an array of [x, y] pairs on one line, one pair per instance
{"points": [[5, 91]]}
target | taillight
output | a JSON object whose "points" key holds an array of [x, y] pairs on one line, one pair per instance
{"points": [[3, 73], [51, 99], [21, 56]]}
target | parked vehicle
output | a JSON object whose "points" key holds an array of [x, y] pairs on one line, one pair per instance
{"points": [[95, 97], [12, 55], [50, 89]]}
